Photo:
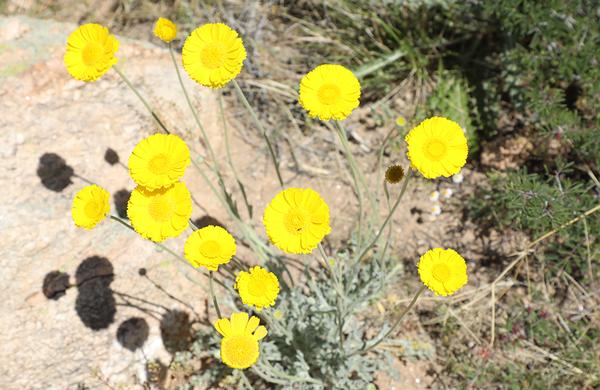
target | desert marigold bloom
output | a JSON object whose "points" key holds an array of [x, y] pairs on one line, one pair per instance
{"points": [[239, 346], [394, 174], [437, 147], [329, 92], [213, 55], [160, 214], [210, 247], [159, 161], [258, 288], [90, 52], [296, 220], [165, 30], [90, 206], [444, 271]]}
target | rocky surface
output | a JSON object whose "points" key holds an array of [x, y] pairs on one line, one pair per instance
{"points": [[75, 310]]}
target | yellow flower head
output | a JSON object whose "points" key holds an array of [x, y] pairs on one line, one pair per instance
{"points": [[444, 271], [165, 30], [394, 174], [213, 55], [239, 346], [329, 92], [90, 52], [437, 147], [209, 247], [90, 206], [400, 121], [159, 161], [258, 287], [296, 220], [160, 214]]}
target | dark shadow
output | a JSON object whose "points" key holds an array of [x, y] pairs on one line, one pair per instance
{"points": [[121, 198], [111, 156], [55, 284], [95, 303], [54, 172], [176, 331], [207, 220], [133, 333]]}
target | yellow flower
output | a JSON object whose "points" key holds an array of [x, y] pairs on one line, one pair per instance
{"points": [[258, 287], [90, 206], [437, 147], [159, 161], [213, 55], [165, 30], [444, 271], [329, 92], [90, 52], [160, 214], [209, 247], [239, 346], [296, 220], [394, 174]]}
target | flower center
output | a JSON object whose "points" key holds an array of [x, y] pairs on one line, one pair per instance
{"points": [[210, 249], [295, 221], [239, 351], [435, 149], [91, 53], [256, 287], [441, 272], [212, 56], [159, 164], [92, 209], [160, 208], [328, 94]]}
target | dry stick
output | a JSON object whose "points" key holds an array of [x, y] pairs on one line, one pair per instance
{"points": [[522, 255], [376, 343], [260, 127], [126, 80]]}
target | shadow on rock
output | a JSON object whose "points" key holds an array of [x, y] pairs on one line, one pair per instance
{"points": [[176, 330], [207, 220], [133, 333], [55, 284], [95, 303], [54, 172], [111, 156], [121, 198]]}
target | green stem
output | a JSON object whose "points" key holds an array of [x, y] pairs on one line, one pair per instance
{"points": [[260, 127], [165, 248], [387, 219], [212, 294], [150, 110], [245, 380], [406, 310], [338, 298], [230, 160], [354, 166]]}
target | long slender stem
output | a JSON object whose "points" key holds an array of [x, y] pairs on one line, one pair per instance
{"points": [[144, 102], [245, 380], [212, 294], [354, 166], [387, 219], [338, 298], [393, 328], [230, 159], [260, 127]]}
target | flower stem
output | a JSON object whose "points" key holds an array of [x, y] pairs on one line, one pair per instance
{"points": [[212, 294], [387, 219], [338, 298], [260, 127], [398, 321], [135, 91]]}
